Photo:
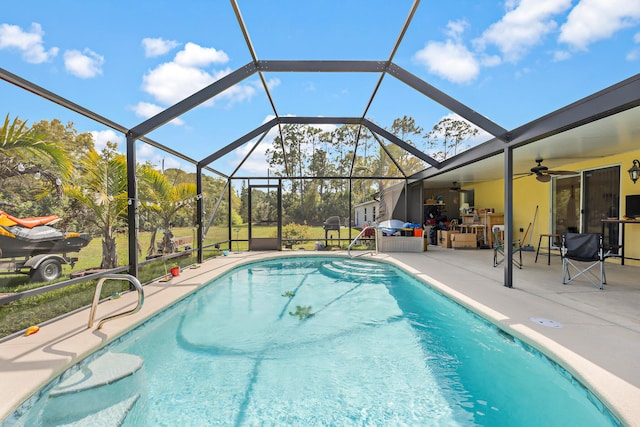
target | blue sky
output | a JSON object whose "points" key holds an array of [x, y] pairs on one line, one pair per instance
{"points": [[512, 61]]}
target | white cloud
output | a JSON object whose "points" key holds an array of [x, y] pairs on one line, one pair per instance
{"points": [[85, 64], [194, 55], [523, 26], [239, 93], [159, 159], [147, 110], [28, 42], [456, 28], [593, 20], [173, 81], [170, 82], [101, 137], [490, 60], [145, 151], [157, 46], [561, 55], [257, 163], [274, 82], [633, 55], [449, 60]]}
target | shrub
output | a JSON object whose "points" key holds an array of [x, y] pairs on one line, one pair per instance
{"points": [[295, 233]]}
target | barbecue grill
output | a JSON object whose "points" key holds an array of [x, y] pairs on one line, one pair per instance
{"points": [[331, 224]]}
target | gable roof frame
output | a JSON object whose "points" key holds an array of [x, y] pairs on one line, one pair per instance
{"points": [[263, 66]]}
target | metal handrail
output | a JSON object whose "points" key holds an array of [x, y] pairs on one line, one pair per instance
{"points": [[375, 235], [96, 297]]}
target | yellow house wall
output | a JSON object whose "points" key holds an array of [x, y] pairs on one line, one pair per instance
{"points": [[529, 193]]}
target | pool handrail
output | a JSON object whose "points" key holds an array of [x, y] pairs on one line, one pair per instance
{"points": [[96, 298], [375, 236]]}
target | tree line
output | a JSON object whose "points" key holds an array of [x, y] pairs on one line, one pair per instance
{"points": [[307, 151]]}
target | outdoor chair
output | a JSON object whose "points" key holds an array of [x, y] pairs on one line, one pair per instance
{"points": [[583, 252], [498, 247]]}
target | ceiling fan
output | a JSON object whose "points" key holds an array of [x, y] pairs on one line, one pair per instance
{"points": [[456, 188], [543, 174]]}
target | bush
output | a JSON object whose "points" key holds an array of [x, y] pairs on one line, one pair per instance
{"points": [[236, 219], [294, 234]]}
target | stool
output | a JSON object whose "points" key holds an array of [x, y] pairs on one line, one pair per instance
{"points": [[548, 247]]}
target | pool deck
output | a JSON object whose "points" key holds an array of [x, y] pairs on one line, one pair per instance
{"points": [[598, 341]]}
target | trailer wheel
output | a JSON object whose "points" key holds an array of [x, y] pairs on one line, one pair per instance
{"points": [[48, 270]]}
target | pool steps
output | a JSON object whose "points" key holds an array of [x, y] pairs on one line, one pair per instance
{"points": [[100, 394], [109, 417], [355, 269]]}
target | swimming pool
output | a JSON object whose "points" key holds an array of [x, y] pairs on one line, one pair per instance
{"points": [[324, 341]]}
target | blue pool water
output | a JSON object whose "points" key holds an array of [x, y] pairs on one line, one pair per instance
{"points": [[379, 348]]}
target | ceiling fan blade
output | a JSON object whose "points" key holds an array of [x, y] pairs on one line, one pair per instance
{"points": [[543, 178]]}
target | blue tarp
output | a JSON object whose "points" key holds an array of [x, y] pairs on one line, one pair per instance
{"points": [[391, 226]]}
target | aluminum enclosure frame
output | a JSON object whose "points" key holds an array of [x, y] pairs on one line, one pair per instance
{"points": [[608, 102]]}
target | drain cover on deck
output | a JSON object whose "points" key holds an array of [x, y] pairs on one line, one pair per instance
{"points": [[546, 322]]}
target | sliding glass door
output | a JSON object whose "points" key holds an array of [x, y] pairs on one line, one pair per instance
{"points": [[580, 203], [601, 201], [566, 204]]}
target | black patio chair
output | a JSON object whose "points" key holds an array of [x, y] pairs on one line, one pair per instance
{"points": [[582, 252]]}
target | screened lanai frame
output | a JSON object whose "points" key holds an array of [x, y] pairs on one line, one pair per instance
{"points": [[261, 67], [618, 98]]}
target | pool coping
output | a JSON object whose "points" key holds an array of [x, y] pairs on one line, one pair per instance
{"points": [[29, 363]]}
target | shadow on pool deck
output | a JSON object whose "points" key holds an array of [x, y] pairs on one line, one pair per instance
{"points": [[599, 341]]}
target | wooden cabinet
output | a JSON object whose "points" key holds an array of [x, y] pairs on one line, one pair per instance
{"points": [[488, 220]]}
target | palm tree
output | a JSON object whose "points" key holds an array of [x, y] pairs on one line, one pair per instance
{"points": [[103, 192], [163, 197], [24, 151]]}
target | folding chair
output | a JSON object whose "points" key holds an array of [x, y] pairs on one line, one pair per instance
{"points": [[582, 252], [498, 247]]}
